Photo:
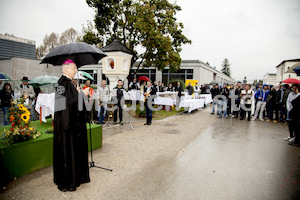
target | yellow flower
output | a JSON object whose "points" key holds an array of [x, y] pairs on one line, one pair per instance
{"points": [[26, 112], [21, 107], [31, 128], [25, 117]]}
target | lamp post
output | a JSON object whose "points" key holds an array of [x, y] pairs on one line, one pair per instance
{"points": [[116, 64]]}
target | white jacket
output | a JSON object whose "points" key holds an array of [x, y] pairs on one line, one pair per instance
{"points": [[289, 100], [103, 93]]}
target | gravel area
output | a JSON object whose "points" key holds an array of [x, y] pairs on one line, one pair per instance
{"points": [[129, 153]]}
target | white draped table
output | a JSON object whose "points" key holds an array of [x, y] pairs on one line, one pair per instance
{"points": [[45, 103], [133, 95], [206, 97], [163, 101], [192, 104]]}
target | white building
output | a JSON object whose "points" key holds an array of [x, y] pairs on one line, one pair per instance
{"points": [[189, 69], [283, 67], [269, 79], [16, 68]]}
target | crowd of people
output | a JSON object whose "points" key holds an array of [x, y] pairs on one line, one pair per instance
{"points": [[7, 94], [273, 103], [146, 88]]}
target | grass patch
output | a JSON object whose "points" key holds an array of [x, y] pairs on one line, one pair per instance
{"points": [[161, 114]]}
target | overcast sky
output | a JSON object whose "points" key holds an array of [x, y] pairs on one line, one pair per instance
{"points": [[255, 35]]}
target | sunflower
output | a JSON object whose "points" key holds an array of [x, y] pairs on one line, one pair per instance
{"points": [[21, 107], [25, 117], [26, 111]]}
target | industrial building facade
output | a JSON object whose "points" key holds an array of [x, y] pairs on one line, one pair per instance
{"points": [[11, 46]]}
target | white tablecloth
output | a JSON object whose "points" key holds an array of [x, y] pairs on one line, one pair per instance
{"points": [[163, 101], [185, 96], [133, 95], [206, 97], [46, 102], [192, 104]]}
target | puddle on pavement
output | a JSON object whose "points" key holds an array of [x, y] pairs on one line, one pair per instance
{"points": [[168, 124], [171, 131]]}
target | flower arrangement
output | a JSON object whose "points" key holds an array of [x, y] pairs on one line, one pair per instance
{"points": [[20, 129]]}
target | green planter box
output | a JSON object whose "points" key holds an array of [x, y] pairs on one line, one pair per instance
{"points": [[25, 157]]}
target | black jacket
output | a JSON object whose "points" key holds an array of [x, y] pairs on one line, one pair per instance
{"points": [[214, 92], [178, 89], [295, 112], [5, 98], [119, 92], [155, 88], [170, 89], [225, 92], [190, 90]]}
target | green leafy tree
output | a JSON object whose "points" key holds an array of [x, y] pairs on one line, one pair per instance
{"points": [[90, 35], [149, 25], [226, 67]]}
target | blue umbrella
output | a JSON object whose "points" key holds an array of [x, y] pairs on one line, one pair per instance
{"points": [[294, 69], [4, 77], [297, 70]]}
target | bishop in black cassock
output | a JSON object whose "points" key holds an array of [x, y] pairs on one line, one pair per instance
{"points": [[70, 148]]}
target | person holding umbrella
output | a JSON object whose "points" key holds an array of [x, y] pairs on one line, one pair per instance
{"points": [[70, 148]]}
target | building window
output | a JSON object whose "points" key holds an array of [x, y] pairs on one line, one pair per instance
{"points": [[181, 74], [150, 73]]}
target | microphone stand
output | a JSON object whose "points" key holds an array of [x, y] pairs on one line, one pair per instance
{"points": [[92, 163]]}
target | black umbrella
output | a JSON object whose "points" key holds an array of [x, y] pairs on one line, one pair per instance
{"points": [[80, 52]]}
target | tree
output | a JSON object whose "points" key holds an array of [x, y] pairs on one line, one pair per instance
{"points": [[149, 25], [69, 35], [49, 42], [255, 82], [90, 37], [53, 40], [226, 67], [245, 80]]}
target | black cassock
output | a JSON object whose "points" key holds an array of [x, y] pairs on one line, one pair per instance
{"points": [[70, 148]]}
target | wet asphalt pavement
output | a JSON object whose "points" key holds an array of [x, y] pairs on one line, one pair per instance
{"points": [[232, 159]]}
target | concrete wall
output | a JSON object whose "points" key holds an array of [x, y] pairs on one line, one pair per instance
{"points": [[16, 68]]}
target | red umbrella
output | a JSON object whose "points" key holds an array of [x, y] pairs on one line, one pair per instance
{"points": [[291, 80], [144, 78]]}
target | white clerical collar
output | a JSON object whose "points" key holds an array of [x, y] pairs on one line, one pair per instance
{"points": [[67, 76]]}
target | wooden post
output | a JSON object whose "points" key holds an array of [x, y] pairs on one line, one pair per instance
{"points": [[40, 115]]}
